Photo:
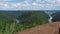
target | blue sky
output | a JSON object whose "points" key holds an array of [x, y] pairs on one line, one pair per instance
{"points": [[29, 4]]}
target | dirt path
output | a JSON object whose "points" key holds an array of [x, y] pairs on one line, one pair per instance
{"points": [[52, 28]]}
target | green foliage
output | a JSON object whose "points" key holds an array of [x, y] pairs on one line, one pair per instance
{"points": [[27, 19], [56, 16], [31, 19], [7, 28]]}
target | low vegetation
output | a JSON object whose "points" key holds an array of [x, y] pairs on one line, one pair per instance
{"points": [[27, 19]]}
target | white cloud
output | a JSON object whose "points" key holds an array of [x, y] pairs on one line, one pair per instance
{"points": [[15, 5], [34, 4], [27, 4], [58, 0]]}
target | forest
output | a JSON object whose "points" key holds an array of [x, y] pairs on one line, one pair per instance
{"points": [[15, 21]]}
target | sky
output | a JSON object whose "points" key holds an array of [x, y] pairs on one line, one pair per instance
{"points": [[29, 4]]}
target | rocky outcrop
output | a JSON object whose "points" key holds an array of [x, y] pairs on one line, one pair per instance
{"points": [[52, 28]]}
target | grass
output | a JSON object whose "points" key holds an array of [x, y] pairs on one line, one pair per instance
{"points": [[7, 28], [12, 28]]}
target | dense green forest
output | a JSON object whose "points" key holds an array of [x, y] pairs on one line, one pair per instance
{"points": [[26, 19], [56, 16]]}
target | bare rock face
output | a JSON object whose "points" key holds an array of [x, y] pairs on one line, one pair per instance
{"points": [[52, 28]]}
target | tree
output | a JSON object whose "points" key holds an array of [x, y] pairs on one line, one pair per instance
{"points": [[33, 18], [56, 17]]}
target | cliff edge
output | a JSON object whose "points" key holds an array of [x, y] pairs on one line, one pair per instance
{"points": [[52, 28]]}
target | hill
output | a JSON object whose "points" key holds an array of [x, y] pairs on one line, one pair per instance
{"points": [[26, 20]]}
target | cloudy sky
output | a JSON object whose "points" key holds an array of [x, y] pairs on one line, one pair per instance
{"points": [[29, 4]]}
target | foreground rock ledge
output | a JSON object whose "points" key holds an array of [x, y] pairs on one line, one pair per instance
{"points": [[52, 28]]}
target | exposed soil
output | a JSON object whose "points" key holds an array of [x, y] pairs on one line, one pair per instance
{"points": [[52, 28]]}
